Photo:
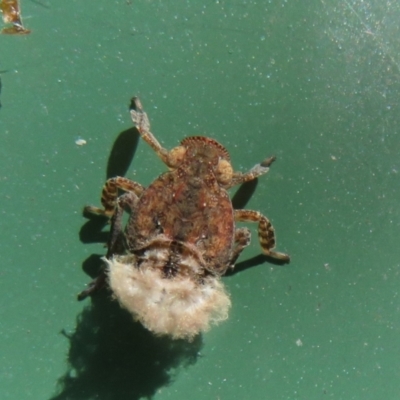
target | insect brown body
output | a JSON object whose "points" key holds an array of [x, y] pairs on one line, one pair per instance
{"points": [[165, 265]]}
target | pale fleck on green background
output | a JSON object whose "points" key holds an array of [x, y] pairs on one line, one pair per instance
{"points": [[315, 83]]}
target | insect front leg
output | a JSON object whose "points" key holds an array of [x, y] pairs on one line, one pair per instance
{"points": [[141, 121], [259, 169], [266, 232], [142, 124]]}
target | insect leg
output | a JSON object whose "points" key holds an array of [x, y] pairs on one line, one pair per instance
{"points": [[109, 195], [266, 232], [259, 169]]}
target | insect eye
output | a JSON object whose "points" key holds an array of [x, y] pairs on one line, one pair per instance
{"points": [[176, 156], [224, 172]]}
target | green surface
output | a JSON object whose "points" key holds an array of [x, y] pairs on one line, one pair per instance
{"points": [[315, 83]]}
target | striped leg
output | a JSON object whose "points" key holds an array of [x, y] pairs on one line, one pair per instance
{"points": [[116, 241], [114, 208], [266, 232], [109, 195], [242, 240]]}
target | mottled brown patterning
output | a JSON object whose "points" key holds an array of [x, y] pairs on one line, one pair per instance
{"points": [[182, 230]]}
